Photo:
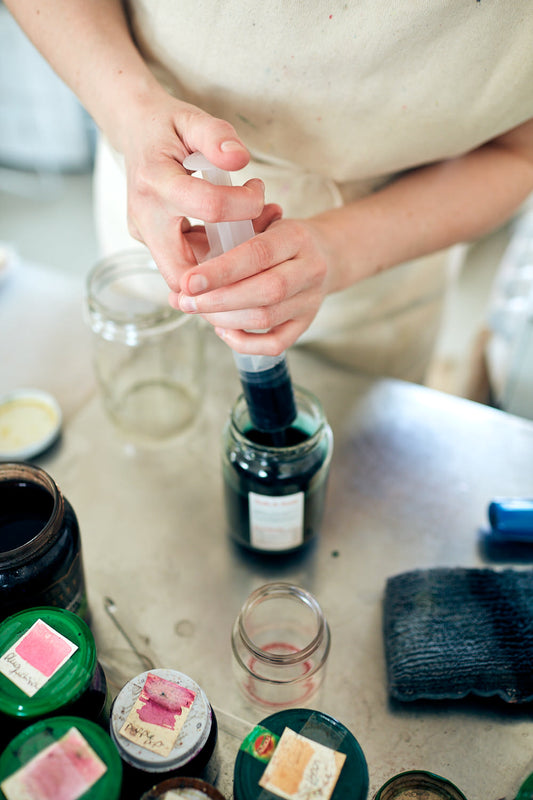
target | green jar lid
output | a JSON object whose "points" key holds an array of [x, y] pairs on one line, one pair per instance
{"points": [[41, 661], [352, 782], [526, 790], [45, 733], [418, 784]]}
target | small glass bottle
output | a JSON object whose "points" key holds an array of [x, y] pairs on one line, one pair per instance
{"points": [[280, 643], [338, 754], [142, 718], [419, 783], [40, 548], [275, 492], [48, 667], [88, 762], [184, 788]]}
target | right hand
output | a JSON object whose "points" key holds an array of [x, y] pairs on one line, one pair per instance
{"points": [[161, 192]]}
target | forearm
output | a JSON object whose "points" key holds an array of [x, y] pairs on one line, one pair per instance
{"points": [[88, 44], [430, 208]]}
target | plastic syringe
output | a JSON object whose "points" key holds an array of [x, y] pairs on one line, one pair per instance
{"points": [[265, 380]]}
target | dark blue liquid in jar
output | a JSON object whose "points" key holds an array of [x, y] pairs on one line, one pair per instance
{"points": [[269, 397], [258, 474], [25, 508], [40, 547]]}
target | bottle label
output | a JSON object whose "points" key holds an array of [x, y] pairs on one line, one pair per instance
{"points": [[158, 715], [36, 657], [301, 767], [65, 769], [276, 523]]}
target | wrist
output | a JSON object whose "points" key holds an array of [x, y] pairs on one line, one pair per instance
{"points": [[349, 259], [132, 103]]}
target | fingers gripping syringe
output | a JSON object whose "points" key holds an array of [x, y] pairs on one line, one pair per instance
{"points": [[265, 380]]}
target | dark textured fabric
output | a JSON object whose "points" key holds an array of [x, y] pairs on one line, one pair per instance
{"points": [[450, 632]]}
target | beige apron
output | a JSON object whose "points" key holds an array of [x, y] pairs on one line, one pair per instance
{"points": [[333, 99]]}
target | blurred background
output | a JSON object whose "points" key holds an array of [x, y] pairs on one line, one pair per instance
{"points": [[47, 145]]}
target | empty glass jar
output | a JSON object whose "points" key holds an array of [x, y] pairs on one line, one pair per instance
{"points": [[148, 357], [280, 644]]}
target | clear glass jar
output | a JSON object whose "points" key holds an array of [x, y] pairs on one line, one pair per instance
{"points": [[275, 495], [40, 549], [280, 643], [148, 357]]}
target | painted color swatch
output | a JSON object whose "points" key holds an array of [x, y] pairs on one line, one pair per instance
{"points": [[158, 715], [301, 767], [36, 657], [63, 771]]}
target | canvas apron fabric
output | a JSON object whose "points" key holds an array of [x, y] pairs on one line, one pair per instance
{"points": [[334, 99]]}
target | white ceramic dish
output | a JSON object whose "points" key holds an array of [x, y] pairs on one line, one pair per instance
{"points": [[30, 421]]}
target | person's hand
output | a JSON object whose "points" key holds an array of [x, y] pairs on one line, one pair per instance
{"points": [[275, 282], [161, 192]]}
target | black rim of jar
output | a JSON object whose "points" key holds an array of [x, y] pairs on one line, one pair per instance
{"points": [[29, 473]]}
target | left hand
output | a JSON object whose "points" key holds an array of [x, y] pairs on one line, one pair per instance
{"points": [[275, 282]]}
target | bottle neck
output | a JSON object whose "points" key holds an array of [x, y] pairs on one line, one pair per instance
{"points": [[302, 436]]}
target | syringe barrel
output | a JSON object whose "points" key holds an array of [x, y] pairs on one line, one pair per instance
{"points": [[265, 380], [268, 392]]}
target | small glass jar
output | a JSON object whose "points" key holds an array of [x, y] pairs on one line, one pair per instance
{"points": [[262, 742], [148, 357], [183, 789], [275, 495], [192, 750], [280, 643], [48, 667], [418, 783], [40, 548], [88, 745]]}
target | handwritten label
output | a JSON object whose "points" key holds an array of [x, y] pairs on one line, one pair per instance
{"points": [[65, 770], [301, 768], [36, 657], [158, 715]]}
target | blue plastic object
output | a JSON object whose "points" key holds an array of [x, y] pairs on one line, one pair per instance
{"points": [[511, 519]]}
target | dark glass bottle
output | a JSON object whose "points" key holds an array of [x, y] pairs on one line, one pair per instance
{"points": [[257, 749], [274, 494], [40, 549], [195, 744], [100, 766], [54, 650], [186, 788]]}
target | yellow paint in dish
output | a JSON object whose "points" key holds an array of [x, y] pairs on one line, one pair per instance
{"points": [[29, 422]]}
